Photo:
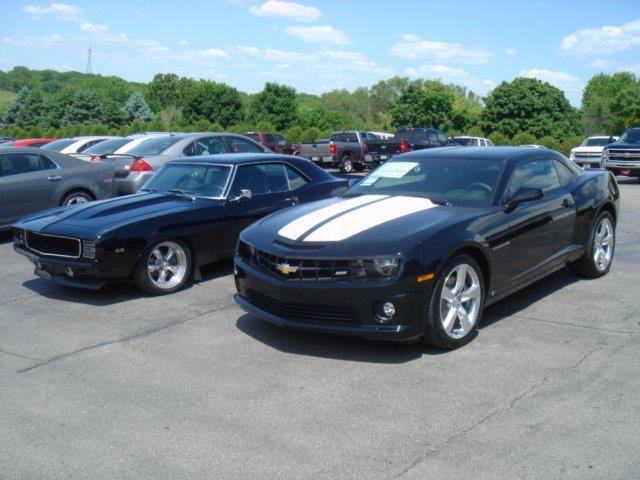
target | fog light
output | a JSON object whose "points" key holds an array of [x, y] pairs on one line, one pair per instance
{"points": [[69, 271], [389, 309]]}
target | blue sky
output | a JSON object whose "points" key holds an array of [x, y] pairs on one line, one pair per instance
{"points": [[317, 46]]}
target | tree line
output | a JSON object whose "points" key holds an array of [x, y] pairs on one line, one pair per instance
{"points": [[525, 110]]}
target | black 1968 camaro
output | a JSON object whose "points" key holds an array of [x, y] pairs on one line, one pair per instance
{"points": [[421, 245], [188, 214]]}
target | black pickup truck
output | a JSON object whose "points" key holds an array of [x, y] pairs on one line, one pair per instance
{"points": [[623, 157]]}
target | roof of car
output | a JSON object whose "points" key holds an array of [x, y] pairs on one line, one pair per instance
{"points": [[480, 153], [236, 158]]}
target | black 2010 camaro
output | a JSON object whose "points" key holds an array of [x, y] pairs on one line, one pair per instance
{"points": [[421, 245]]}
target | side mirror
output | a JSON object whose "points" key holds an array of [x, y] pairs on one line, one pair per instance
{"points": [[523, 195], [244, 193], [612, 139]]}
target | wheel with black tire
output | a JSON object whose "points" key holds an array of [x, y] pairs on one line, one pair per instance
{"points": [[600, 247], [77, 197], [456, 304], [165, 267], [346, 165]]}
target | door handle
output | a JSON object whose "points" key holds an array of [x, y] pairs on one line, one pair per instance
{"points": [[54, 178], [568, 203]]}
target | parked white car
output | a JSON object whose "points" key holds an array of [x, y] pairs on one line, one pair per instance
{"points": [[465, 141], [589, 153], [116, 146], [73, 145]]}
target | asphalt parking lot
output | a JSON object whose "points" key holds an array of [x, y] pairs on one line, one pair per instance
{"points": [[116, 384]]}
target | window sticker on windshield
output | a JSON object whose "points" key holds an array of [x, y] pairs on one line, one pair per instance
{"points": [[391, 170]]}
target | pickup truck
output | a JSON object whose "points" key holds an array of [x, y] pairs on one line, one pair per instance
{"points": [[357, 150], [317, 152], [589, 153], [274, 142], [623, 157]]}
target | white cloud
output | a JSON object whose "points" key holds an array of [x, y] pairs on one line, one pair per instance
{"points": [[448, 74], [290, 10], [282, 56], [601, 63], [602, 40], [93, 28], [34, 41], [212, 53], [151, 47], [183, 43], [413, 47], [319, 34], [571, 85], [59, 11], [510, 51], [248, 50]]}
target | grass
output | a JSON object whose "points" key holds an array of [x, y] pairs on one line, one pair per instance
{"points": [[6, 97]]}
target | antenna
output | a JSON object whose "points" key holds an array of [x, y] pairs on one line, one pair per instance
{"points": [[88, 61]]}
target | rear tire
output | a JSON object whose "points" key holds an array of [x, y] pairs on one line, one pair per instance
{"points": [[165, 267], [346, 165], [600, 247], [77, 197], [358, 167], [456, 304]]}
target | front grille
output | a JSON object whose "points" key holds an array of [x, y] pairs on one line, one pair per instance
{"points": [[302, 269], [588, 155], [53, 245], [301, 312], [622, 155]]}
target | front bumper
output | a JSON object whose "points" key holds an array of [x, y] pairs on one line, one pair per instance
{"points": [[285, 298], [622, 167]]}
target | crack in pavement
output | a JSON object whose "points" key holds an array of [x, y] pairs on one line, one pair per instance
{"points": [[421, 459], [128, 338], [24, 297], [7, 352], [569, 324]]}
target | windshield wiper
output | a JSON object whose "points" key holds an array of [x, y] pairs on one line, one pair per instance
{"points": [[146, 189], [353, 194], [440, 201], [182, 192]]}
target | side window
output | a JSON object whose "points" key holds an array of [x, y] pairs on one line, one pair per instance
{"points": [[242, 145], [433, 138], [89, 144], [18, 163], [280, 140], [270, 138], [295, 179], [534, 174], [442, 138], [211, 146], [190, 149], [352, 137], [260, 179], [564, 173]]}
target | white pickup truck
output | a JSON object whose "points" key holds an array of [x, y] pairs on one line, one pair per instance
{"points": [[589, 153]]}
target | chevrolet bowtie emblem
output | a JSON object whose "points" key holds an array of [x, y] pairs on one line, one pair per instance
{"points": [[286, 269]]}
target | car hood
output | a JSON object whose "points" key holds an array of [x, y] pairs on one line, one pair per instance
{"points": [[371, 223], [623, 145], [93, 218], [596, 149]]}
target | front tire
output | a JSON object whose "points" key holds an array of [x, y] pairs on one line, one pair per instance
{"points": [[456, 304], [596, 261], [165, 267]]}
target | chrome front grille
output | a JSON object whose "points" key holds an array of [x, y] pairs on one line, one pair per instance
{"points": [[622, 155], [588, 155], [53, 245]]}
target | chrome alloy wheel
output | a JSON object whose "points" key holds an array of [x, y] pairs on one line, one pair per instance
{"points": [[77, 200], [167, 265], [603, 243], [460, 301]]}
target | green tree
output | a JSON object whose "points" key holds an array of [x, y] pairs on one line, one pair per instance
{"points": [[213, 101], [608, 101], [136, 107], [523, 138], [499, 138], [294, 133], [31, 112], [84, 108], [424, 107], [529, 105], [165, 90], [12, 110], [275, 104]]}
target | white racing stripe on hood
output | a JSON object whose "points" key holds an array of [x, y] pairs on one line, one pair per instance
{"points": [[299, 226], [367, 217]]}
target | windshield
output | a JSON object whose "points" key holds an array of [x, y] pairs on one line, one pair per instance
{"points": [[107, 146], [154, 146], [198, 180], [596, 142], [58, 145], [630, 136], [462, 182]]}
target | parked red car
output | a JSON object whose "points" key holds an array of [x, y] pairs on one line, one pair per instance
{"points": [[275, 142], [31, 142]]}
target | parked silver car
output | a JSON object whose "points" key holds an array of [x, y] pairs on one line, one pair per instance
{"points": [[32, 179], [134, 168]]}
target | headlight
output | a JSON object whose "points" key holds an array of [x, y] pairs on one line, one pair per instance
{"points": [[376, 268], [605, 154], [19, 237], [572, 155]]}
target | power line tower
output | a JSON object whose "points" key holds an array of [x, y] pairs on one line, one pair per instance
{"points": [[88, 61]]}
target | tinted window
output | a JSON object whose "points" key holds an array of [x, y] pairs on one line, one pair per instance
{"points": [[442, 138], [433, 138], [352, 137], [269, 138], [534, 174], [630, 136], [295, 179], [107, 146], [211, 146], [280, 140], [564, 173], [154, 146], [464, 142], [461, 181], [203, 180], [190, 149], [253, 136], [18, 163], [339, 137], [596, 142], [260, 179], [242, 145], [411, 135], [58, 145]]}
